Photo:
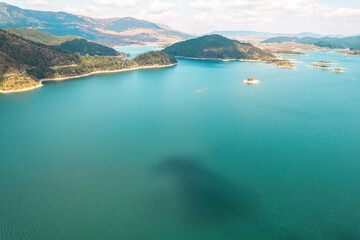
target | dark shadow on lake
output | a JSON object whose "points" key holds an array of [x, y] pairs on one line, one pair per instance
{"points": [[207, 196], [338, 233]]}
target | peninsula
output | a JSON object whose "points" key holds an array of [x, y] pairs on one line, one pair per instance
{"points": [[217, 47], [26, 64]]}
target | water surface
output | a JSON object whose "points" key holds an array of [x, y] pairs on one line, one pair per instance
{"points": [[143, 155]]}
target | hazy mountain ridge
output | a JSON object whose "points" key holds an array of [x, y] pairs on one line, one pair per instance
{"points": [[111, 31], [265, 35], [352, 43]]}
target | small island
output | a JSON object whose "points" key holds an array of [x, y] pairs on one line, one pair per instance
{"points": [[338, 70], [326, 67], [355, 52], [252, 81], [282, 63], [323, 63]]}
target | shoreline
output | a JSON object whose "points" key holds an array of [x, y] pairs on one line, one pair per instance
{"points": [[102, 72], [219, 59], [85, 75], [319, 67], [21, 90]]}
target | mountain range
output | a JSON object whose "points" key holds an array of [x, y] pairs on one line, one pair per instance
{"points": [[352, 43], [253, 35], [111, 31]]}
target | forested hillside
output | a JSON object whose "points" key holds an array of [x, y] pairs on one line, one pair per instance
{"points": [[84, 47], [23, 62], [73, 44], [154, 58], [40, 37], [217, 46]]}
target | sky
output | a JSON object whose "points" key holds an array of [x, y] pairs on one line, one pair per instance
{"points": [[203, 16]]}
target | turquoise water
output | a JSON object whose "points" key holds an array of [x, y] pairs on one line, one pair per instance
{"points": [[134, 50], [141, 155]]}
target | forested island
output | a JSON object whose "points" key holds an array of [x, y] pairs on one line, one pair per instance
{"points": [[24, 64], [217, 47]]}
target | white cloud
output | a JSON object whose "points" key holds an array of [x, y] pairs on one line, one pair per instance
{"points": [[161, 16], [342, 12], [89, 10], [159, 10], [218, 4], [204, 17], [118, 3], [160, 7], [37, 2]]}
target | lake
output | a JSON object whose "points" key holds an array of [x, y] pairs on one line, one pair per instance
{"points": [[186, 152]]}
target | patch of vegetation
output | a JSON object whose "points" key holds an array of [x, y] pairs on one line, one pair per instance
{"points": [[154, 58], [84, 47], [288, 52], [17, 81], [281, 63]]}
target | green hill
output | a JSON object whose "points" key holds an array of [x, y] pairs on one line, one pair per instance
{"points": [[217, 47], [333, 43], [112, 31], [84, 47], [155, 58], [70, 43], [40, 37], [23, 62]]}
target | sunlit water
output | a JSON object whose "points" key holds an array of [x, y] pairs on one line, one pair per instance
{"points": [[143, 155], [133, 51]]}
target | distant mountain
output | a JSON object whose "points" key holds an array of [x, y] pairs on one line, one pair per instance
{"points": [[342, 43], [217, 47], [241, 33], [265, 35], [112, 31]]}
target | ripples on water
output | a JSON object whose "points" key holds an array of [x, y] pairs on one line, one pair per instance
{"points": [[138, 155]]}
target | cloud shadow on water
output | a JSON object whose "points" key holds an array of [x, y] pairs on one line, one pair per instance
{"points": [[207, 196]]}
